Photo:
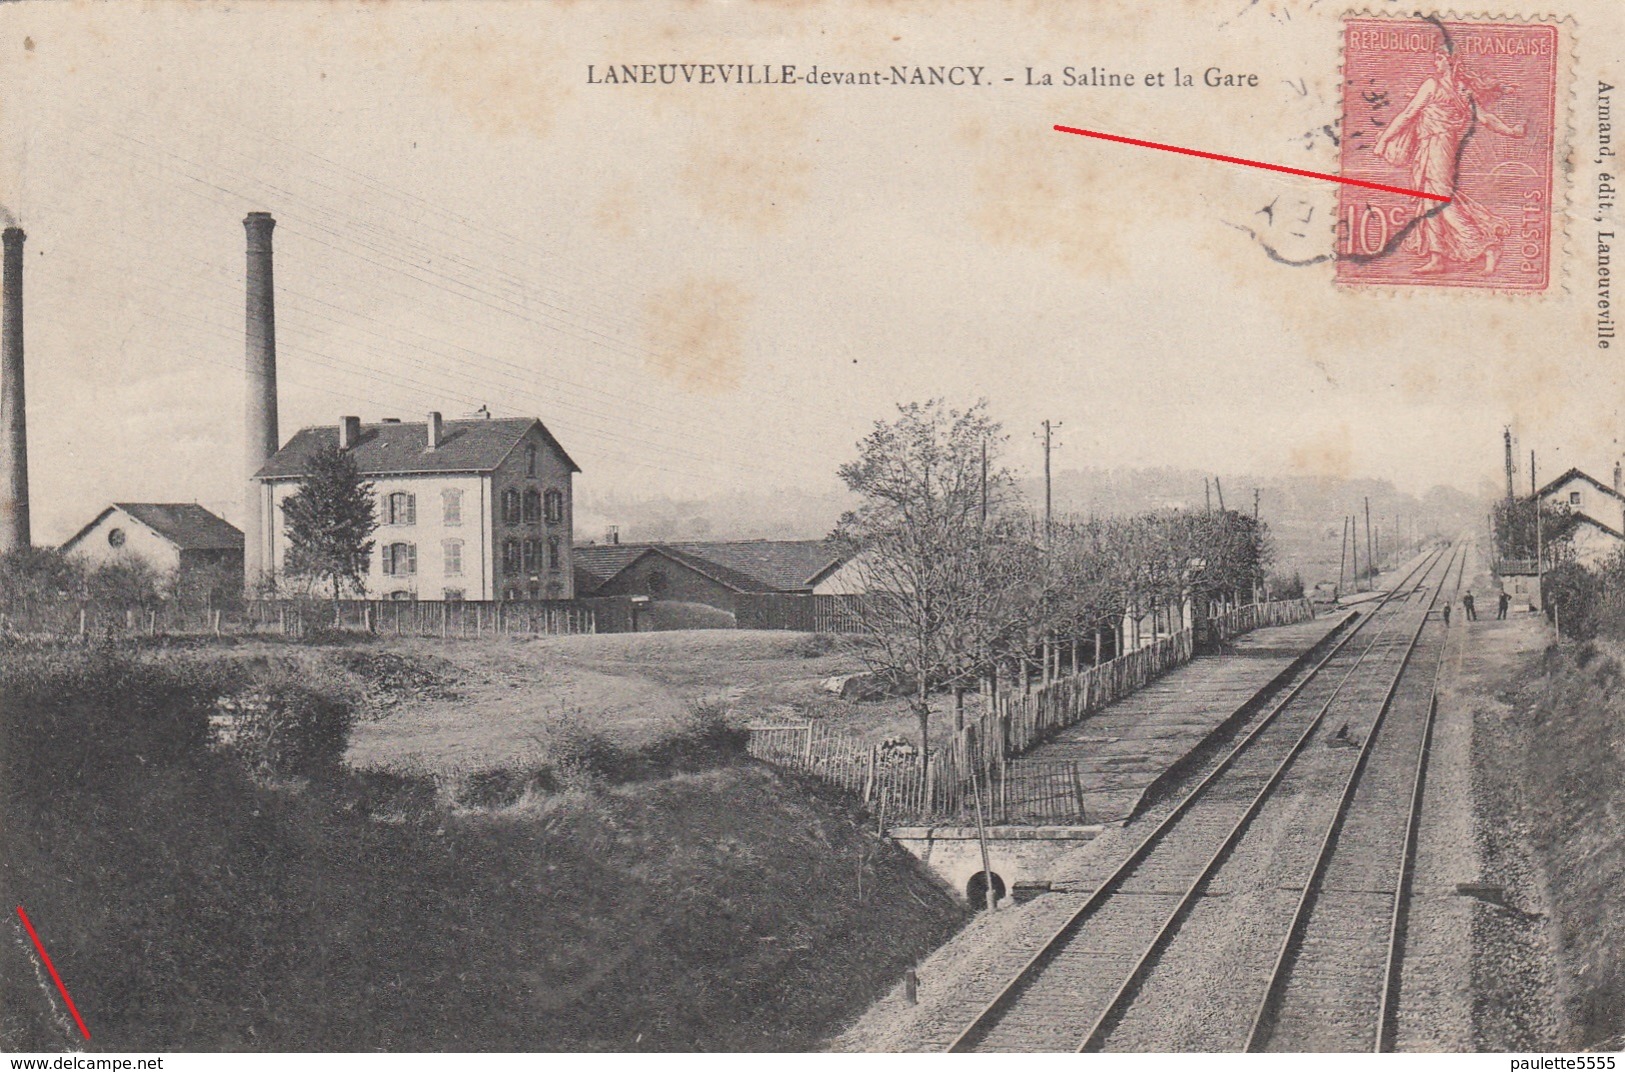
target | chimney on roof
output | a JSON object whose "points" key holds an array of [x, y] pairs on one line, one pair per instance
{"points": [[612, 534], [435, 431], [349, 432], [14, 525], [260, 423]]}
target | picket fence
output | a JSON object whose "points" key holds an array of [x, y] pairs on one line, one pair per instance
{"points": [[892, 782], [981, 759], [801, 613]]}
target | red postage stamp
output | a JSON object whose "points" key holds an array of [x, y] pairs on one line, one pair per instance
{"points": [[1464, 110]]}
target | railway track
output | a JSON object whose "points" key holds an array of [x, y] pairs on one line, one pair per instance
{"points": [[1335, 983], [1071, 993]]}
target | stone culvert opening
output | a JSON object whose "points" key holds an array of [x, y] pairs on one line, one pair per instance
{"points": [[976, 889]]}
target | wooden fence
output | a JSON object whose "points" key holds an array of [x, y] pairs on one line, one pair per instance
{"points": [[297, 618], [894, 783], [1258, 616], [801, 613], [981, 757]]}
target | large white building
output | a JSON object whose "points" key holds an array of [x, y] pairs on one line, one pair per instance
{"points": [[467, 509]]}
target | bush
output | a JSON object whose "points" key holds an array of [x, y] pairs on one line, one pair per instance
{"points": [[286, 728], [1573, 597], [1284, 587]]}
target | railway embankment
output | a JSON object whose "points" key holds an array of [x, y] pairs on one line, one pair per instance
{"points": [[1570, 719]]}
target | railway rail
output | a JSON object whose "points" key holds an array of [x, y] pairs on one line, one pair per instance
{"points": [[1075, 989], [1335, 982]]}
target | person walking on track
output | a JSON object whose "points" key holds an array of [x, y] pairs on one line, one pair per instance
{"points": [[1447, 616]]}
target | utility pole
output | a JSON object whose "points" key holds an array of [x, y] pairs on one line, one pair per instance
{"points": [[1207, 493], [1255, 504], [984, 483], [1048, 501], [1506, 434], [1218, 487], [1370, 563], [1342, 556], [1531, 474], [1354, 550]]}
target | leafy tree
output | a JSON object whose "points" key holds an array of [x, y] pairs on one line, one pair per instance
{"points": [[940, 560], [1516, 537], [330, 522]]}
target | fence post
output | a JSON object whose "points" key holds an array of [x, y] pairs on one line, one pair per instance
{"points": [[806, 753], [869, 780]]}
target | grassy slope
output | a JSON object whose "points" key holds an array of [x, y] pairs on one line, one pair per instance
{"points": [[190, 908], [1575, 773]]}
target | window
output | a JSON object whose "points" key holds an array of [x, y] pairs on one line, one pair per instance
{"points": [[510, 556], [510, 506], [530, 556], [513, 594], [555, 506], [554, 552], [1574, 498], [533, 506], [530, 460], [400, 594], [401, 508], [452, 503], [535, 590], [453, 550], [115, 537], [400, 559], [656, 582], [452, 595]]}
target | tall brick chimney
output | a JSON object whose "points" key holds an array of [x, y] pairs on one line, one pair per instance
{"points": [[259, 426], [14, 525]]}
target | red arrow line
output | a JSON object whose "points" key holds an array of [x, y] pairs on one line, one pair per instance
{"points": [[1254, 163], [46, 957]]}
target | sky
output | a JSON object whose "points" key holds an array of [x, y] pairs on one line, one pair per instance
{"points": [[705, 290]]}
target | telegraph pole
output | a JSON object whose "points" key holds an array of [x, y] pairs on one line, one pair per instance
{"points": [[1048, 501], [1370, 563], [1342, 556], [984, 483], [1218, 487]]}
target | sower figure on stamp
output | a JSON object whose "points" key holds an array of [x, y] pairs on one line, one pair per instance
{"points": [[1467, 605], [1428, 136]]}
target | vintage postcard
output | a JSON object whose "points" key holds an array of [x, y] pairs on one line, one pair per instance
{"points": [[816, 526]]}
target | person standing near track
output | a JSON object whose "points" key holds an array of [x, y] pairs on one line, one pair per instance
{"points": [[1501, 606], [1447, 616], [1467, 605]]}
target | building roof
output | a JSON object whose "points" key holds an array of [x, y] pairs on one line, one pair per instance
{"points": [[743, 565], [186, 525], [782, 565], [466, 446], [1587, 477], [601, 561]]}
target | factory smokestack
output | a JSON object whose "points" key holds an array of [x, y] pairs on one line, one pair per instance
{"points": [[259, 426], [14, 526]]}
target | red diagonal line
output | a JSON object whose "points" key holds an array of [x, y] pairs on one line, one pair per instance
{"points": [[46, 957], [1254, 163]]}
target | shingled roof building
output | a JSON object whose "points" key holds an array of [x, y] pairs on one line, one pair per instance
{"points": [[176, 538], [467, 509], [714, 573]]}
